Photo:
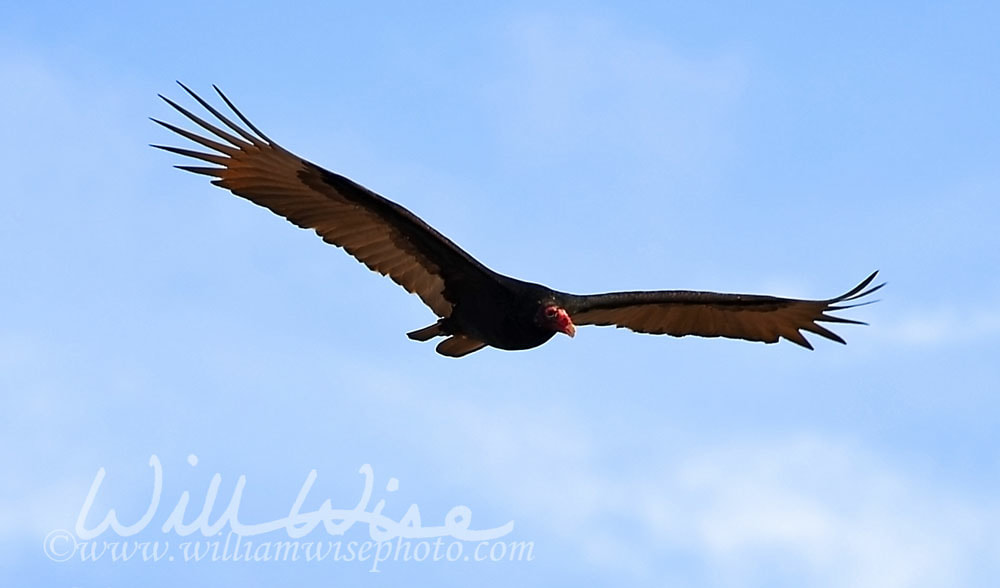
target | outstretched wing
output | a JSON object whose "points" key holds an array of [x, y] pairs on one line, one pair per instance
{"points": [[708, 314], [383, 235]]}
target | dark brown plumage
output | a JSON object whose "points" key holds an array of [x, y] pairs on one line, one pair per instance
{"points": [[475, 305]]}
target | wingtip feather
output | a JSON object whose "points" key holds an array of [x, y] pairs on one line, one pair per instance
{"points": [[215, 172]]}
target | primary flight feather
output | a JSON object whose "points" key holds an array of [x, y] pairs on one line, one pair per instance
{"points": [[476, 306]]}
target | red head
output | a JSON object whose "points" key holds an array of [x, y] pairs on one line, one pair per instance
{"points": [[557, 319]]}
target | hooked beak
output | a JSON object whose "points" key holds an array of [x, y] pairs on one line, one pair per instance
{"points": [[565, 323]]}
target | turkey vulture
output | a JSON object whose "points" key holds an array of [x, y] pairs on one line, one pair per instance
{"points": [[475, 305]]}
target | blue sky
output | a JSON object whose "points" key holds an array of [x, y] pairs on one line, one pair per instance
{"points": [[590, 146]]}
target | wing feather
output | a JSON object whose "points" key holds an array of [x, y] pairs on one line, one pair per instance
{"points": [[383, 235], [709, 314]]}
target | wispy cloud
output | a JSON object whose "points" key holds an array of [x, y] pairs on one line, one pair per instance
{"points": [[577, 83], [836, 512], [806, 509], [939, 326]]}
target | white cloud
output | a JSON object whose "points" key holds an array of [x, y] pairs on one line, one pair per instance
{"points": [[581, 83], [843, 517], [937, 326], [808, 510]]}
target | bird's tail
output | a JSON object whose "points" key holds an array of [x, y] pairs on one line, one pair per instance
{"points": [[426, 333]]}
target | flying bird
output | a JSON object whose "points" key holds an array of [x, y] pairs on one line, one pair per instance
{"points": [[476, 306]]}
